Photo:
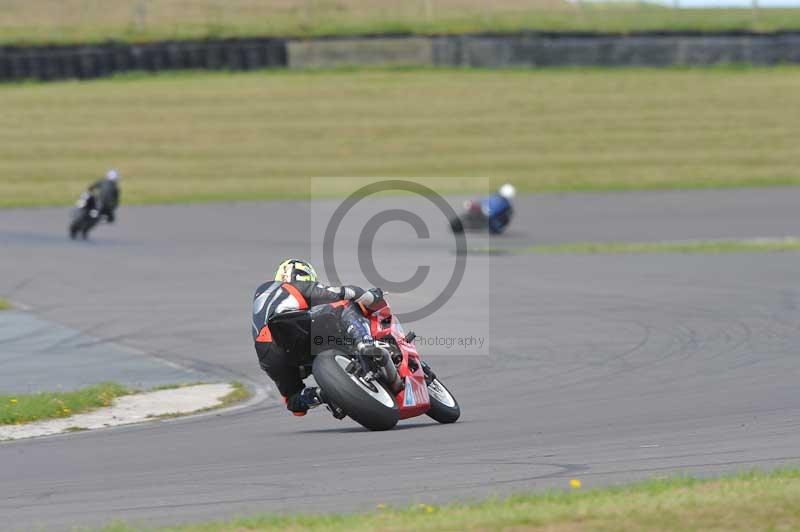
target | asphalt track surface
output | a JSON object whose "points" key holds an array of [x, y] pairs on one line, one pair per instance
{"points": [[603, 368], [42, 356]]}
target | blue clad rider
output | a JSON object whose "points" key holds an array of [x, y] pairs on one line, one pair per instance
{"points": [[497, 208]]}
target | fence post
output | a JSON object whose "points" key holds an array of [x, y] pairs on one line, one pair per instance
{"points": [[754, 5], [140, 15]]}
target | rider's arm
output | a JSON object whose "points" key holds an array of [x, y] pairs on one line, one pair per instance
{"points": [[319, 294]]}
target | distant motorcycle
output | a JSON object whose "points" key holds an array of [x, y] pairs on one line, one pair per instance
{"points": [[376, 393], [493, 212], [472, 218], [84, 216]]}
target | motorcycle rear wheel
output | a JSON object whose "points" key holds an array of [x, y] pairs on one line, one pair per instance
{"points": [[366, 402]]}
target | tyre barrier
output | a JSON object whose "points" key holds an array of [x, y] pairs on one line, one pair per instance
{"points": [[46, 63], [530, 50]]}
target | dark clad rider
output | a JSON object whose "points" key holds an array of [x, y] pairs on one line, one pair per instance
{"points": [[106, 191], [295, 287]]}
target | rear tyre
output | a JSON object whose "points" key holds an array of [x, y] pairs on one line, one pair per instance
{"points": [[367, 402], [456, 225], [444, 407]]}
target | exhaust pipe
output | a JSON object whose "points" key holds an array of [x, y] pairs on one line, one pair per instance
{"points": [[390, 372]]}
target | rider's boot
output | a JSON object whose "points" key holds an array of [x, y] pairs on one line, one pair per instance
{"points": [[311, 397], [357, 330]]}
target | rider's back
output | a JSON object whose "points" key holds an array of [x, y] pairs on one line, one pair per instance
{"points": [[107, 192], [276, 297], [497, 210]]}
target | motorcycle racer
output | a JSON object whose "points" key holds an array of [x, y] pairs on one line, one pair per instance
{"points": [[107, 193], [493, 212], [295, 287], [497, 208]]}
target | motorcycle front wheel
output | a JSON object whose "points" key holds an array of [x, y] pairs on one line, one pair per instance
{"points": [[444, 407], [78, 222], [367, 402]]}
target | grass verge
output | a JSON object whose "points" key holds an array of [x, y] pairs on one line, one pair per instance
{"points": [[69, 21], [239, 393], [633, 248], [749, 501], [4, 304], [214, 137], [26, 408]]}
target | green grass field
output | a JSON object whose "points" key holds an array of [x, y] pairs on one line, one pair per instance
{"points": [[746, 502], [25, 21], [4, 304], [205, 136]]}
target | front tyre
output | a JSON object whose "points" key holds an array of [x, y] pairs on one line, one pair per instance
{"points": [[76, 223], [456, 225], [444, 407], [367, 402]]}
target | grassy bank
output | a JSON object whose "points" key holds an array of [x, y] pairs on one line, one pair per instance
{"points": [[4, 304], [25, 408], [635, 248], [754, 501], [23, 21], [203, 136]]}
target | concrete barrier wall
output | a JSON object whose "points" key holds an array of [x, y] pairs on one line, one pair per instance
{"points": [[539, 50], [329, 53], [487, 51], [606, 50]]}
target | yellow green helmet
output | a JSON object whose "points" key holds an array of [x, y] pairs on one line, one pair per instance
{"points": [[295, 270]]}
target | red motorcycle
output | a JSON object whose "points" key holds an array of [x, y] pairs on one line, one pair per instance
{"points": [[375, 392]]}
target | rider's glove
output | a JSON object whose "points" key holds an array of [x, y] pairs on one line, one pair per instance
{"points": [[370, 296]]}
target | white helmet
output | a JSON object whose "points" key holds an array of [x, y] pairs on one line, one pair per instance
{"points": [[507, 191], [112, 175]]}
